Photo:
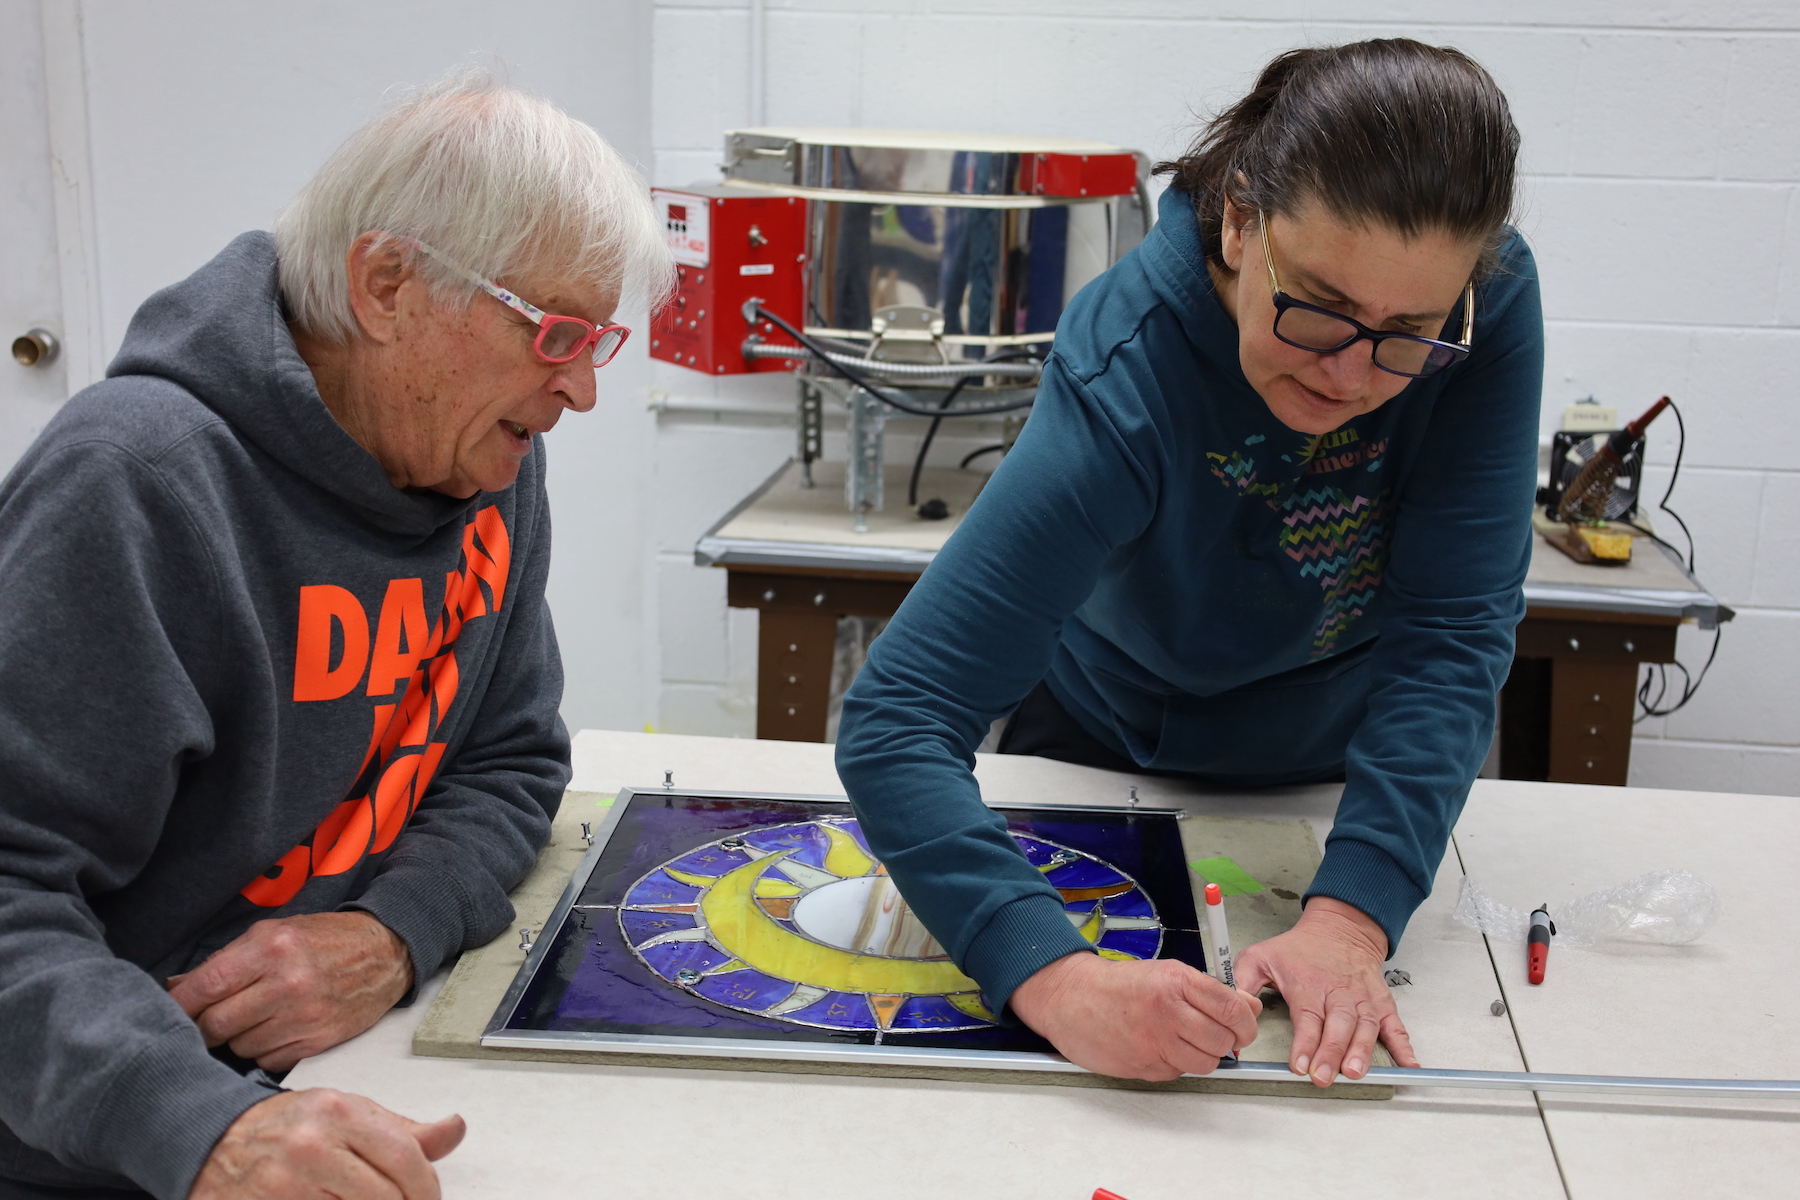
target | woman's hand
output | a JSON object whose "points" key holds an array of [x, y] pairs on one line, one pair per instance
{"points": [[1136, 1020], [1328, 970]]}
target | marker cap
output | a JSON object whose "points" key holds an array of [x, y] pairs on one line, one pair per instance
{"points": [[1214, 895]]}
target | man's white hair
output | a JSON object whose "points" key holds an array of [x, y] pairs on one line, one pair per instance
{"points": [[502, 182]]}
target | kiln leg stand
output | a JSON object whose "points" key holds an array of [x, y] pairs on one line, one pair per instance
{"points": [[863, 481]]}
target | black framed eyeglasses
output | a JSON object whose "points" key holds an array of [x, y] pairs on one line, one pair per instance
{"points": [[1309, 327]]}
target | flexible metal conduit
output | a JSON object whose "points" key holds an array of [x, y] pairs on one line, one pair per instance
{"points": [[1001, 370]]}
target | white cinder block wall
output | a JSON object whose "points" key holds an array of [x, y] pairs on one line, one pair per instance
{"points": [[1662, 196]]}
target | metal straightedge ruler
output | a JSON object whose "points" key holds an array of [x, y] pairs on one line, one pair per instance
{"points": [[1527, 1081]]}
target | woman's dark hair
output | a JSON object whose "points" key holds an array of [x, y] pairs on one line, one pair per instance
{"points": [[1415, 137]]}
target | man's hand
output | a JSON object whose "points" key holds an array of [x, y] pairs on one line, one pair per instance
{"points": [[321, 1143], [1136, 1020], [1328, 970], [289, 989]]}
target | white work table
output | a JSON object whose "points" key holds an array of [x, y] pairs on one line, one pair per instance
{"points": [[1719, 1009], [1723, 1008]]}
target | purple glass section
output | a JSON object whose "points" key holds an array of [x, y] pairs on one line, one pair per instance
{"points": [[1132, 904], [745, 989], [610, 990], [642, 926], [1083, 873], [1036, 852], [710, 861], [671, 957], [660, 889], [656, 828], [1139, 943], [806, 842], [1143, 847], [840, 1010], [930, 1012]]}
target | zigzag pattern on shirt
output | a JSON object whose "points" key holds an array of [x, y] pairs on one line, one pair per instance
{"points": [[1239, 471], [1338, 537], [1342, 540]]}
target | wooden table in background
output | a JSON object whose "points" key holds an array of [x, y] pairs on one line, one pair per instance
{"points": [[1566, 711], [792, 554]]}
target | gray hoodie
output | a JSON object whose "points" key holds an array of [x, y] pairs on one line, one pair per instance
{"points": [[242, 676]]}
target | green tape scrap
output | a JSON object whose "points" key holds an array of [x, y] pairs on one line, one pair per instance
{"points": [[1232, 879], [605, 801]]}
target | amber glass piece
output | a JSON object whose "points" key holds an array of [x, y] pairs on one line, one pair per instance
{"points": [[885, 1007]]}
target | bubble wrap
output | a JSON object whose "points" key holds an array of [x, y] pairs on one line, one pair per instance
{"points": [[1670, 908]]}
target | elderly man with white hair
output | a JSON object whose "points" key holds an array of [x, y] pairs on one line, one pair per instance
{"points": [[278, 685]]}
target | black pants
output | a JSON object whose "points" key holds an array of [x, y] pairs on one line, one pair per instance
{"points": [[1042, 727]]}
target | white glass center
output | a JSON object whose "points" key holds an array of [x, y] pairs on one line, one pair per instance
{"points": [[865, 915]]}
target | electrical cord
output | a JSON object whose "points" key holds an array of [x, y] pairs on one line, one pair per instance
{"points": [[912, 487], [1674, 474], [806, 340], [1658, 674], [972, 455]]}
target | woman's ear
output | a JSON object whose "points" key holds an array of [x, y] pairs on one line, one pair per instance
{"points": [[375, 269], [1233, 228]]}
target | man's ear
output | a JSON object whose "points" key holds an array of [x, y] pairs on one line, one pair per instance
{"points": [[375, 268]]}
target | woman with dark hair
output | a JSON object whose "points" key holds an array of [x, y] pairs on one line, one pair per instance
{"points": [[1268, 524]]}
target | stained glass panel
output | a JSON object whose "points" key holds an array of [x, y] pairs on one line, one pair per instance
{"points": [[769, 919]]}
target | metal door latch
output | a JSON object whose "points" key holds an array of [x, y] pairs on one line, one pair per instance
{"points": [[37, 348]]}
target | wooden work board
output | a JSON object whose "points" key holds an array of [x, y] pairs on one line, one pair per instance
{"points": [[1279, 855]]}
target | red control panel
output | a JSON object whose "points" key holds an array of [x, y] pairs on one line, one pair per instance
{"points": [[1077, 174], [729, 245]]}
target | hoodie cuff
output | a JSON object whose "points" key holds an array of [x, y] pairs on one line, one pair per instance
{"points": [[1020, 939], [168, 1108], [426, 909], [1371, 880]]}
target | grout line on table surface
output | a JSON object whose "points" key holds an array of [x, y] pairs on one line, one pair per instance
{"points": [[1537, 1098]]}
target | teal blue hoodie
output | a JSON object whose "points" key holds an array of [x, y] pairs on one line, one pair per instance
{"points": [[1207, 591]]}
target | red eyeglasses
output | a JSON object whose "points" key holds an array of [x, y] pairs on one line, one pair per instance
{"points": [[560, 339]]}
